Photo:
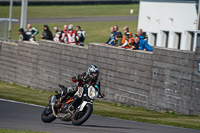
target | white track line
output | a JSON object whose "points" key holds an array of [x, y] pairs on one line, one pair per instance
{"points": [[21, 103]]}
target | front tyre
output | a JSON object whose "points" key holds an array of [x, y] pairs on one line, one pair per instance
{"points": [[80, 117], [47, 114]]}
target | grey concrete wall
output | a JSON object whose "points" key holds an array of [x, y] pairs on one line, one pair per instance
{"points": [[163, 80]]}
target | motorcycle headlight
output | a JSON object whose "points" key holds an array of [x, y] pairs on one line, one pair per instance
{"points": [[92, 92]]}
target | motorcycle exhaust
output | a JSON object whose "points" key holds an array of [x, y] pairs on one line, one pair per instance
{"points": [[53, 111], [53, 102]]}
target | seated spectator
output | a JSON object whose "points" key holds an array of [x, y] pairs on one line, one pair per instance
{"points": [[129, 41], [47, 34], [126, 30], [57, 36], [81, 35], [64, 38], [72, 36], [118, 39], [143, 45], [142, 35], [31, 32], [22, 35], [111, 40]]}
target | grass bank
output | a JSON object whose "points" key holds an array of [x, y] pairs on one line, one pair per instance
{"points": [[95, 31], [18, 131], [71, 11], [29, 95]]}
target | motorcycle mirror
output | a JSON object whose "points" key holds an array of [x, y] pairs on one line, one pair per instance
{"points": [[102, 94]]}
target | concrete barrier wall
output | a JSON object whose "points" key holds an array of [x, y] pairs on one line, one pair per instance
{"points": [[163, 80]]}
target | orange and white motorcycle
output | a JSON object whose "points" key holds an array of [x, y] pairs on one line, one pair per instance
{"points": [[60, 106]]}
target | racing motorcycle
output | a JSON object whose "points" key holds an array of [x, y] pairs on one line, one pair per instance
{"points": [[60, 105]]}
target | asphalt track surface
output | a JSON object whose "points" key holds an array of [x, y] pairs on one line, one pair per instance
{"points": [[21, 116], [79, 19]]}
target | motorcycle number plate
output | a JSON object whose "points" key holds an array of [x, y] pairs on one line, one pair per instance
{"points": [[79, 93]]}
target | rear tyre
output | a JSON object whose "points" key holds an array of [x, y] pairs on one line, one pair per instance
{"points": [[80, 117], [47, 114]]}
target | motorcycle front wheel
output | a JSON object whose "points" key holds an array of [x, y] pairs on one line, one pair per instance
{"points": [[47, 114], [80, 117]]}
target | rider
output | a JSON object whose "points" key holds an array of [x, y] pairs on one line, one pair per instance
{"points": [[90, 77]]}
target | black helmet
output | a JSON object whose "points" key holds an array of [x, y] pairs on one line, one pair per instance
{"points": [[93, 72]]}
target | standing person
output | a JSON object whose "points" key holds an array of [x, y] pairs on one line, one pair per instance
{"points": [[22, 35], [111, 40], [142, 35], [47, 34], [57, 36], [81, 35], [126, 30], [72, 36], [116, 30], [118, 39], [64, 38], [31, 32]]}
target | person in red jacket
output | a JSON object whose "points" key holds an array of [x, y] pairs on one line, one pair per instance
{"points": [[57, 36], [63, 37], [72, 36]]}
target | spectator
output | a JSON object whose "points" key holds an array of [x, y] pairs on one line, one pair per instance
{"points": [[142, 35], [47, 33], [135, 46], [143, 45], [118, 39], [129, 41], [72, 36], [116, 30], [111, 40], [22, 35], [57, 36], [31, 32], [126, 30], [64, 38], [81, 35]]}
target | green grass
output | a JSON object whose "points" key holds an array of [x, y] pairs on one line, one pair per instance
{"points": [[95, 31], [72, 11], [29, 95], [18, 131]]}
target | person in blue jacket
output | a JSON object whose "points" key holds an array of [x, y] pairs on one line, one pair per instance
{"points": [[143, 45], [111, 40]]}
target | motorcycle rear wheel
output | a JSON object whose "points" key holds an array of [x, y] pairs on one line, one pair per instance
{"points": [[47, 114], [80, 117]]}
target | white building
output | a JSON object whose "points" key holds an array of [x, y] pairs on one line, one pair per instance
{"points": [[170, 23]]}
